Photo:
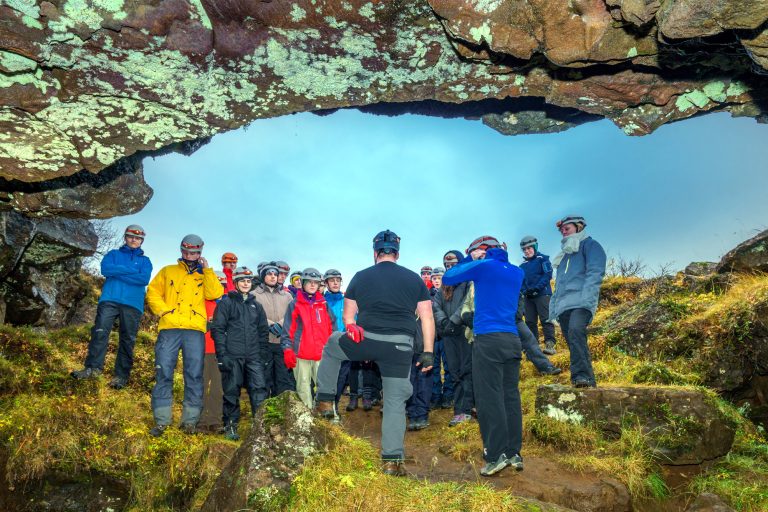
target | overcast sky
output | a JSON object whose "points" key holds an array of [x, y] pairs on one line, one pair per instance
{"points": [[313, 191]]}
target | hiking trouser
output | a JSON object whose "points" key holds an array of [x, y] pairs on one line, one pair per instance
{"points": [[537, 308], [417, 406], [532, 349], [305, 373], [212, 394], [458, 356], [496, 374], [349, 373], [277, 376], [393, 353], [442, 380], [192, 346], [574, 324], [106, 314], [238, 373]]}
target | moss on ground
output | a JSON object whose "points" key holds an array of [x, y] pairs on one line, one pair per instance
{"points": [[50, 422]]}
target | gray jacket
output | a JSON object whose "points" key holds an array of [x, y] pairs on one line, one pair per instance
{"points": [[448, 313], [577, 284], [275, 302]]}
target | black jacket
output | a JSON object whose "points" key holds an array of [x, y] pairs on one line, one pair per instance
{"points": [[239, 327], [448, 313]]}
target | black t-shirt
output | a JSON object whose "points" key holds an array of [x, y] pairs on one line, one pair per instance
{"points": [[386, 296]]}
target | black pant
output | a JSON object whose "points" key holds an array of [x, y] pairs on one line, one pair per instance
{"points": [[537, 308], [458, 355], [106, 314], [277, 376], [238, 373], [574, 324], [496, 374], [348, 374]]}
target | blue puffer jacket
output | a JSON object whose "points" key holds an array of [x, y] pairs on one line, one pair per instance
{"points": [[497, 290], [538, 273], [579, 275], [127, 271], [335, 303]]}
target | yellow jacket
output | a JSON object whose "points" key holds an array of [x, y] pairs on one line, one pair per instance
{"points": [[182, 295]]}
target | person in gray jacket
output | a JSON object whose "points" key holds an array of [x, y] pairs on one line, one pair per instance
{"points": [[580, 271], [446, 305]]}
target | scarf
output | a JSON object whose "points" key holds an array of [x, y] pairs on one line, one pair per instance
{"points": [[569, 245]]}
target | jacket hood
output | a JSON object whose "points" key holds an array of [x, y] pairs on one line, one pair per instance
{"points": [[497, 254], [137, 251], [459, 255]]}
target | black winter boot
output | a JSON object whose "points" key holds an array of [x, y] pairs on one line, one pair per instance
{"points": [[352, 405]]}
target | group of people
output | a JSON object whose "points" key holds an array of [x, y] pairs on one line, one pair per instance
{"points": [[453, 336]]}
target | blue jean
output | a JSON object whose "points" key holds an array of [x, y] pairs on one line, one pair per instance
{"points": [[192, 346], [417, 406], [574, 324], [531, 348], [442, 381]]}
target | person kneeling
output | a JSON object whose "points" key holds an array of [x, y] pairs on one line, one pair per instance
{"points": [[240, 331]]}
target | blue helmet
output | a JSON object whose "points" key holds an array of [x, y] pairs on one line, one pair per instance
{"points": [[387, 242]]}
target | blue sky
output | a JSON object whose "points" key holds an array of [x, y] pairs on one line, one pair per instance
{"points": [[314, 190]]}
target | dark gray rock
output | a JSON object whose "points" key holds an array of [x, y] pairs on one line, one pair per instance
{"points": [[749, 256], [683, 426], [708, 502], [700, 268]]}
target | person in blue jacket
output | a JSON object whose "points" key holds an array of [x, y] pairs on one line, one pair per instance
{"points": [[537, 290], [127, 271], [349, 372], [580, 271], [497, 350]]}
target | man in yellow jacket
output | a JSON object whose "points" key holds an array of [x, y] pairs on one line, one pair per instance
{"points": [[177, 295]]}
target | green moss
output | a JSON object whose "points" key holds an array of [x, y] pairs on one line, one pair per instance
{"points": [[274, 410]]}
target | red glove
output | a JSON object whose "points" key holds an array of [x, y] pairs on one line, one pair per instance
{"points": [[289, 356], [355, 333]]}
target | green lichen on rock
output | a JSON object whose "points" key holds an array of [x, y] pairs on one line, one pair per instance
{"points": [[13, 62], [29, 10]]}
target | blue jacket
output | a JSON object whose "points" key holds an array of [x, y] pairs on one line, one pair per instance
{"points": [[538, 274], [497, 290], [578, 280], [127, 271], [335, 303]]}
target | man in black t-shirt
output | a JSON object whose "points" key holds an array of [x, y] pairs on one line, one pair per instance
{"points": [[385, 299]]}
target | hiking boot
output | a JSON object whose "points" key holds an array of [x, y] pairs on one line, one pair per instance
{"points": [[583, 384], [375, 401], [459, 418], [516, 462], [325, 410], [491, 468], [352, 405], [157, 430], [420, 424], [549, 348], [434, 405], [118, 382], [393, 468], [552, 371], [367, 404], [188, 428], [446, 403], [230, 432], [85, 373]]}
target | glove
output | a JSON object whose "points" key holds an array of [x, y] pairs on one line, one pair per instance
{"points": [[289, 356], [276, 329], [468, 319], [426, 360], [355, 333], [223, 363]]}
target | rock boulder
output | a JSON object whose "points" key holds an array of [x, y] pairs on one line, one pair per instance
{"points": [[749, 256], [683, 426]]}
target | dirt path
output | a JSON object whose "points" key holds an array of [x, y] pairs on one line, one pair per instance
{"points": [[542, 479]]}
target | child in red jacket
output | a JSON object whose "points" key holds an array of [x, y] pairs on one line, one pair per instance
{"points": [[307, 326]]}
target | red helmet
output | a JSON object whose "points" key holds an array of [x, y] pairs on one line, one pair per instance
{"points": [[426, 269], [484, 242], [228, 257]]}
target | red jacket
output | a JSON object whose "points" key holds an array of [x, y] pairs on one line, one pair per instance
{"points": [[230, 284], [210, 307], [307, 326]]}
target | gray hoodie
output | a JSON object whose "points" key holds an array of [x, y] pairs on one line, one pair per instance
{"points": [[578, 279]]}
